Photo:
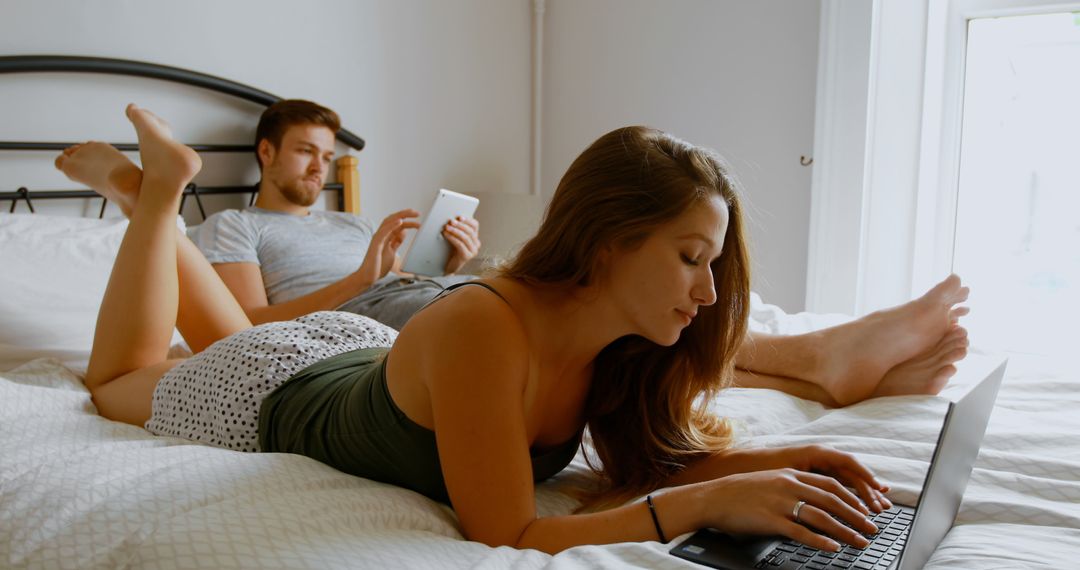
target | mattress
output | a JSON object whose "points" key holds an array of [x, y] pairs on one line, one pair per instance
{"points": [[80, 491]]}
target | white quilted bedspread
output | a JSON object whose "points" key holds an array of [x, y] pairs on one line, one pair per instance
{"points": [[79, 491]]}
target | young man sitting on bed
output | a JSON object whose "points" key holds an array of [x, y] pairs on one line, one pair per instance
{"points": [[311, 264], [282, 260]]}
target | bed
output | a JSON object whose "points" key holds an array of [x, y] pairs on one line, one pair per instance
{"points": [[80, 491]]}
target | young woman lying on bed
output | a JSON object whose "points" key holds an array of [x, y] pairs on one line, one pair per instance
{"points": [[629, 304]]}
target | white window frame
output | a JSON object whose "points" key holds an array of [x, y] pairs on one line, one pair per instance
{"points": [[883, 206], [836, 186], [942, 123], [866, 137]]}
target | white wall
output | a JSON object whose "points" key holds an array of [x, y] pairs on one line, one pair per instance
{"points": [[439, 90], [735, 76]]}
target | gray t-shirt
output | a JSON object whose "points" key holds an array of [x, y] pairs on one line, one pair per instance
{"points": [[301, 254], [296, 254]]}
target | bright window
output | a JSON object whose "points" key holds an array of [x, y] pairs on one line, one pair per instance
{"points": [[1017, 240]]}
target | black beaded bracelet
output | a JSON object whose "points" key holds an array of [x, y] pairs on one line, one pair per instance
{"points": [[655, 519]]}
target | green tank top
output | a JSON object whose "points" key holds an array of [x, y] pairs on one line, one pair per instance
{"points": [[339, 411]]}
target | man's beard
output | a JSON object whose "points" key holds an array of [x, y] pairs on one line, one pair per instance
{"points": [[296, 192]]}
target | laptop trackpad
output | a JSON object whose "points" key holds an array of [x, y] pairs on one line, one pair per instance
{"points": [[719, 550]]}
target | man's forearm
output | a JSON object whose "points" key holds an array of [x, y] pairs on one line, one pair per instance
{"points": [[723, 463], [325, 299], [704, 469], [793, 386]]}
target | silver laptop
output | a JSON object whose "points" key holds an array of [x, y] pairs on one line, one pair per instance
{"points": [[907, 536]]}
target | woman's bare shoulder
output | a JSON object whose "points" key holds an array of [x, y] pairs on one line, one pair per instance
{"points": [[468, 322], [459, 344]]}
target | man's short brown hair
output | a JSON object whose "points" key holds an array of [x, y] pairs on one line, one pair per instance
{"points": [[277, 119]]}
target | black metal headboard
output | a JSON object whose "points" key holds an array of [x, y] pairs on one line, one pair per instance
{"points": [[77, 64]]}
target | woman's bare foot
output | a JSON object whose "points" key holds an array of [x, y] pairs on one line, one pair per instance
{"points": [[856, 356], [105, 169], [163, 157], [928, 372]]}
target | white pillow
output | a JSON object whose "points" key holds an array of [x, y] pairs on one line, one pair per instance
{"points": [[54, 270]]}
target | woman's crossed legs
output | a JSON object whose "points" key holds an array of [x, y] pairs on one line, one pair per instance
{"points": [[160, 281]]}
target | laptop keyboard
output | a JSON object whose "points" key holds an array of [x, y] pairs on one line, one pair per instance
{"points": [[884, 547]]}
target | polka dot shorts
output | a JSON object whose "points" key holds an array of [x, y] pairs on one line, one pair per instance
{"points": [[214, 396]]}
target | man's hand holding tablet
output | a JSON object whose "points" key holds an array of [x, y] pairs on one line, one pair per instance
{"points": [[448, 236]]}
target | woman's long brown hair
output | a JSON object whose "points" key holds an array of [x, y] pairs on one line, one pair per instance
{"points": [[646, 406]]}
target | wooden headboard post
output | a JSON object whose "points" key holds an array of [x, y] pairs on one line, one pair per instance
{"points": [[348, 174]]}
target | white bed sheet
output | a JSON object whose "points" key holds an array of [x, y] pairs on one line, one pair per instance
{"points": [[79, 491]]}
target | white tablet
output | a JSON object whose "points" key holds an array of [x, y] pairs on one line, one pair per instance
{"points": [[429, 251]]}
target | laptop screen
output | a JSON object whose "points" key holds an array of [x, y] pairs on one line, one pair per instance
{"points": [[954, 457]]}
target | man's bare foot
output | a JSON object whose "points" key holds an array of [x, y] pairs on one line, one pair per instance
{"points": [[928, 372], [103, 168], [163, 157], [857, 355]]}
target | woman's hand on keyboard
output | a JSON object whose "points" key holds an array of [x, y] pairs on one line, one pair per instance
{"points": [[768, 502], [815, 459], [840, 465]]}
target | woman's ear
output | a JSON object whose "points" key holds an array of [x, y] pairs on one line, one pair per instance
{"points": [[604, 255], [601, 266]]}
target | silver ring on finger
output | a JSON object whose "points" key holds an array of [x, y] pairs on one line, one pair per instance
{"points": [[795, 511]]}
